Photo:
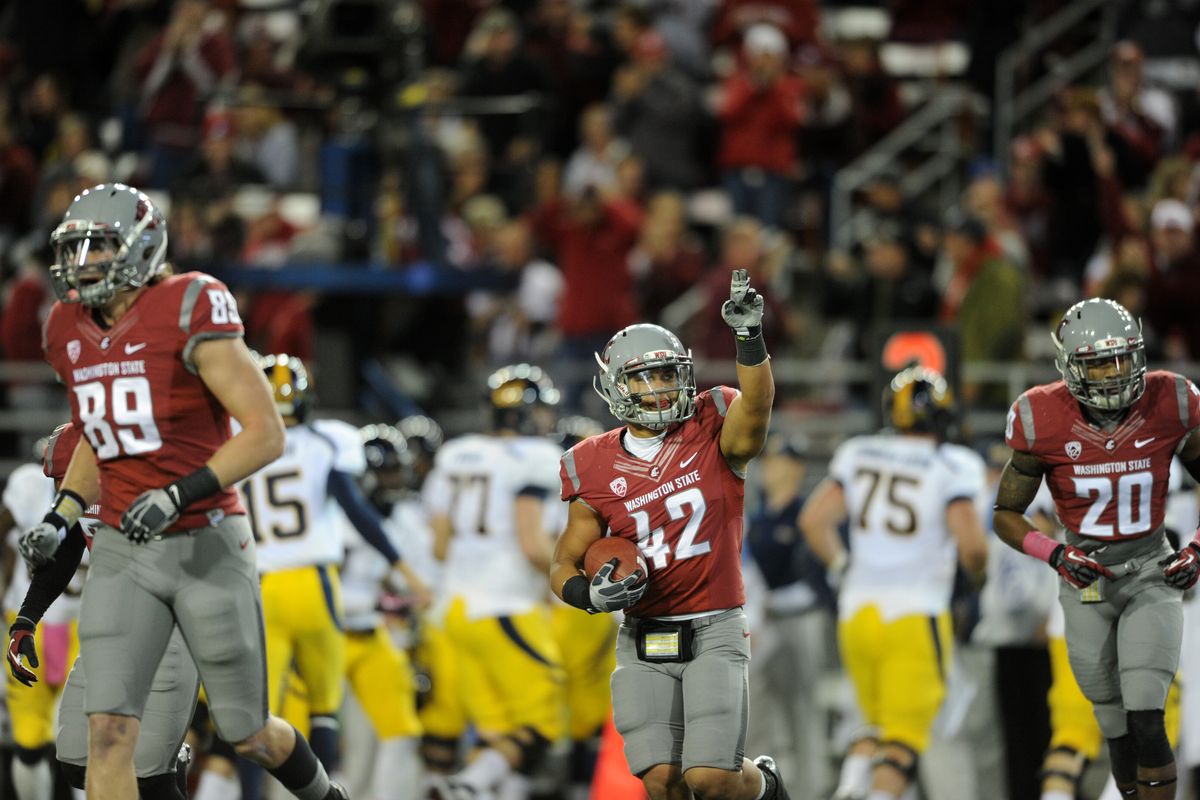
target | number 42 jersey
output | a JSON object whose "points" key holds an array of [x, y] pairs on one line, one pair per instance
{"points": [[136, 395], [1107, 485]]}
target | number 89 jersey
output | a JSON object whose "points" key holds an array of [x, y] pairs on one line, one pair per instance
{"points": [[1107, 485], [135, 393], [897, 488], [684, 509]]}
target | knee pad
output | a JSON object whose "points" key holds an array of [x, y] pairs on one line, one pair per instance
{"points": [[1111, 719], [75, 774], [1123, 755], [908, 770], [1150, 733], [29, 756], [533, 747], [159, 787]]}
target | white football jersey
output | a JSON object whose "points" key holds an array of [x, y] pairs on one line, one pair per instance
{"points": [[475, 482], [295, 519], [902, 556], [27, 495]]}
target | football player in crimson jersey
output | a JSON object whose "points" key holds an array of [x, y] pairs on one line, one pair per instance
{"points": [[155, 366], [160, 758], [672, 479], [1103, 438]]}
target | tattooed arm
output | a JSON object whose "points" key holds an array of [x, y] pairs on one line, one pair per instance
{"points": [[1018, 486]]}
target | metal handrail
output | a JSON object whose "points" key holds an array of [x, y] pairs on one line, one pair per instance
{"points": [[1012, 108]]}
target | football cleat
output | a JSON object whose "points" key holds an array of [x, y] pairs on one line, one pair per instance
{"points": [[767, 764]]}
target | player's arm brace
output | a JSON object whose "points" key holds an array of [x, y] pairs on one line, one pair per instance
{"points": [[567, 580]]}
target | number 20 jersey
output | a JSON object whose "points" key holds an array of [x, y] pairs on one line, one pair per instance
{"points": [[684, 509], [897, 488], [135, 393], [1107, 485]]}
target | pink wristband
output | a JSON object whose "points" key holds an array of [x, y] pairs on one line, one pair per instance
{"points": [[1039, 545]]}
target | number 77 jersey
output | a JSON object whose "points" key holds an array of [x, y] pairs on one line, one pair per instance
{"points": [[684, 508], [1107, 485], [135, 393]]}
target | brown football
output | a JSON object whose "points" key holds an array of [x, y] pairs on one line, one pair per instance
{"points": [[603, 550]]}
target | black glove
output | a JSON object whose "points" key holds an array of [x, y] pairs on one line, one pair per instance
{"points": [[1077, 567], [609, 595], [1183, 568], [21, 647]]}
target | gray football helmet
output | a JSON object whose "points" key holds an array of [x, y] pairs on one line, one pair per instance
{"points": [[639, 349], [124, 227], [1101, 334]]}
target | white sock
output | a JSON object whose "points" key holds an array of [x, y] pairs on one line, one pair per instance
{"points": [[397, 769], [762, 785], [1057, 795], [487, 770], [880, 794], [218, 787], [514, 787], [78, 794], [1111, 792], [32, 781], [856, 775]]}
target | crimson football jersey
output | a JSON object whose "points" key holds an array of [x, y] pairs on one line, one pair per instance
{"points": [[136, 396], [684, 509], [1106, 485]]}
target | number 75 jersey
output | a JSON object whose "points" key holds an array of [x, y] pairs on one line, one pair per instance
{"points": [[135, 393], [684, 508], [1107, 485]]}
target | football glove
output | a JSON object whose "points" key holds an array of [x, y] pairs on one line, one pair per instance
{"points": [[38, 545], [150, 514], [21, 648], [743, 311], [607, 594], [1077, 567], [1182, 568]]}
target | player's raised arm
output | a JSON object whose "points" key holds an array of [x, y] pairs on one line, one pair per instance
{"points": [[745, 430]]}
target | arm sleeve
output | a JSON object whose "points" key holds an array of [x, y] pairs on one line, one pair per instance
{"points": [[47, 584], [364, 518]]}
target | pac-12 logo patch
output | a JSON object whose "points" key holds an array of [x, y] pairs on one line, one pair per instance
{"points": [[619, 486], [73, 350], [1074, 449]]}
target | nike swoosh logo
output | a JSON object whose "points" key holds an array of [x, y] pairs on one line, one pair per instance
{"points": [[745, 634], [130, 349], [244, 544], [683, 464], [1139, 443]]}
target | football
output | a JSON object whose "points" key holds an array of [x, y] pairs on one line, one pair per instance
{"points": [[603, 550]]}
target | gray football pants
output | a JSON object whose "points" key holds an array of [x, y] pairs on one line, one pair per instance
{"points": [[1124, 649], [205, 582], [164, 720]]}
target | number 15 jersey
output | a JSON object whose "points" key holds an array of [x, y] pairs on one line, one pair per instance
{"points": [[897, 488], [136, 395]]}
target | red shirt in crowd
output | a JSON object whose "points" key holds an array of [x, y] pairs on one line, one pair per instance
{"points": [[760, 123]]}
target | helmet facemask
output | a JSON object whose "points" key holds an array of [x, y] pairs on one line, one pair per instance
{"points": [[654, 391], [1108, 379]]}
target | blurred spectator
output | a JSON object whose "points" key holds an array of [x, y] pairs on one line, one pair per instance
{"points": [[667, 260], [267, 139], [761, 111], [875, 96], [1141, 114], [496, 66], [797, 19], [1027, 200], [927, 21], [1175, 281], [590, 240], [27, 301], [218, 171], [630, 21], [42, 106], [684, 26], [178, 72], [985, 298], [18, 180], [743, 246], [827, 107], [484, 216], [450, 23], [984, 200], [657, 112], [600, 152]]}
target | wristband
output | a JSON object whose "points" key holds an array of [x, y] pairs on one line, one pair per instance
{"points": [[22, 624], [751, 349], [66, 510], [577, 592], [1039, 545], [196, 486]]}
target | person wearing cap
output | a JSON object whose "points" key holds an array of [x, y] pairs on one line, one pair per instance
{"points": [[1175, 279], [793, 649], [760, 109]]}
